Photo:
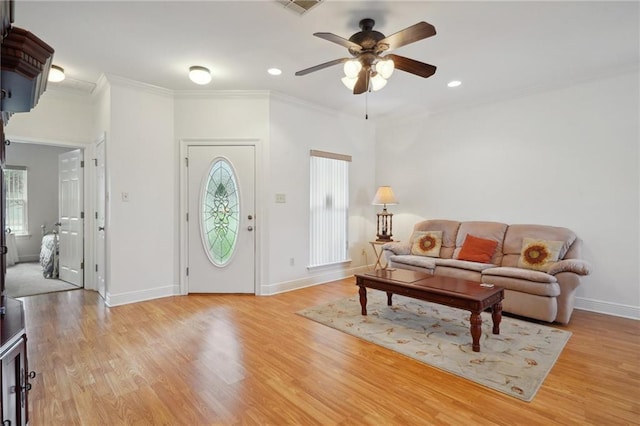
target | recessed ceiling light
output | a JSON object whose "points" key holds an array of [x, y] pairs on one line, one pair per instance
{"points": [[274, 71], [56, 74], [199, 75], [454, 83]]}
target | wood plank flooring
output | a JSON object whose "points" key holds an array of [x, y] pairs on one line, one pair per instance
{"points": [[238, 359]]}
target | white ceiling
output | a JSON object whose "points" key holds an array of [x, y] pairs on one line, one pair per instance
{"points": [[497, 49]]}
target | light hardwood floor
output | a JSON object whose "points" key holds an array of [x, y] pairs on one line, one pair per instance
{"points": [[238, 359]]}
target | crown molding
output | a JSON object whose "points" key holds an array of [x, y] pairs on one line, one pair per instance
{"points": [[116, 80]]}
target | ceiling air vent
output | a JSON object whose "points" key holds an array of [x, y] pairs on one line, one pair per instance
{"points": [[299, 6]]}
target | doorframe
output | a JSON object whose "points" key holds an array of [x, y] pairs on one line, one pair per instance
{"points": [[102, 139], [260, 220], [88, 176]]}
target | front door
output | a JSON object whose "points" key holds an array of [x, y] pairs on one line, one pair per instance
{"points": [[70, 178], [221, 219]]}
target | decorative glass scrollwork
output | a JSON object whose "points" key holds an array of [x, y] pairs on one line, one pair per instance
{"points": [[220, 218]]}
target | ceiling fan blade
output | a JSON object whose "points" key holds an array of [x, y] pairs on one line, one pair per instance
{"points": [[339, 40], [362, 85], [412, 66], [322, 66], [416, 32]]}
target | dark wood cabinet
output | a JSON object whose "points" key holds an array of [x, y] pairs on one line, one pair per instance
{"points": [[25, 61], [14, 372]]}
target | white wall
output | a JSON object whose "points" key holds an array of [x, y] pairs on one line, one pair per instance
{"points": [[141, 162], [42, 191], [59, 116], [566, 157], [296, 128], [216, 115]]}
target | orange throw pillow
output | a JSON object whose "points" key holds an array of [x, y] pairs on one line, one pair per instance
{"points": [[477, 249]]}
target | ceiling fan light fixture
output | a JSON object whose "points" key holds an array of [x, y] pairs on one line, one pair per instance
{"points": [[378, 82], [352, 68], [56, 74], [349, 82], [385, 68], [199, 75]]}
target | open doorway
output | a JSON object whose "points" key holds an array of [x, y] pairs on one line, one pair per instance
{"points": [[33, 221]]}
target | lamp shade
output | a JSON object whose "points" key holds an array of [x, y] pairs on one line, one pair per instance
{"points": [[378, 82], [384, 195]]}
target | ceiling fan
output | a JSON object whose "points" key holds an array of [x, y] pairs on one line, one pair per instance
{"points": [[368, 69]]}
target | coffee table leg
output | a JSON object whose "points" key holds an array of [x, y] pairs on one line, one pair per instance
{"points": [[389, 295], [476, 330], [496, 315], [363, 299]]}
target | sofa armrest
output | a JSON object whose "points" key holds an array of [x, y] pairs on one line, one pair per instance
{"points": [[577, 266], [397, 248]]}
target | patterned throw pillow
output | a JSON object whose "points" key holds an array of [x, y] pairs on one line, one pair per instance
{"points": [[426, 243], [539, 254]]}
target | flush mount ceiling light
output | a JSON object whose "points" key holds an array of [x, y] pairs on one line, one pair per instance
{"points": [[56, 74], [199, 75], [454, 83], [274, 71]]}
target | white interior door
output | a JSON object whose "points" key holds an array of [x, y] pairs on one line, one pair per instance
{"points": [[221, 219], [70, 178], [100, 237]]}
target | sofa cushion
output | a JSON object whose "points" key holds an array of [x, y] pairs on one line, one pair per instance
{"points": [[464, 264], [550, 290], [426, 243], [539, 254], [523, 274], [408, 259], [515, 235], [476, 249]]}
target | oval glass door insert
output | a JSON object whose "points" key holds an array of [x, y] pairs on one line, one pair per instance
{"points": [[220, 218]]}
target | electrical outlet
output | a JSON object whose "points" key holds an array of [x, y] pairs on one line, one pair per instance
{"points": [[292, 261], [364, 253]]}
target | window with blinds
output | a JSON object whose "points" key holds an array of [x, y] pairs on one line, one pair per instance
{"points": [[15, 178], [329, 208]]}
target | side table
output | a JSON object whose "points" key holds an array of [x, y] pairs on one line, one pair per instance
{"points": [[377, 249]]}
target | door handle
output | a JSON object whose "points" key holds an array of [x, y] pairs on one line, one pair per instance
{"points": [[250, 228], [100, 228]]}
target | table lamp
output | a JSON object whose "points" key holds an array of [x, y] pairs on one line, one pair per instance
{"points": [[384, 196]]}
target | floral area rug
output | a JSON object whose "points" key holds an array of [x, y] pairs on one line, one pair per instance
{"points": [[515, 362]]}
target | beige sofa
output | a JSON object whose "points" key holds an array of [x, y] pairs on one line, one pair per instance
{"points": [[543, 290]]}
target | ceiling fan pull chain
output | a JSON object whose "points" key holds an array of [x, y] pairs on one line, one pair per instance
{"points": [[366, 105]]}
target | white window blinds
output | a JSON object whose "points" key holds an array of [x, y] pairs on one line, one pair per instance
{"points": [[329, 208], [15, 178]]}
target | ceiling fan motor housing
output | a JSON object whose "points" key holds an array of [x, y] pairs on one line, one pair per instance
{"points": [[367, 38]]}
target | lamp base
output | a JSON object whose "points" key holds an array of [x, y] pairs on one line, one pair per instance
{"points": [[384, 238]]}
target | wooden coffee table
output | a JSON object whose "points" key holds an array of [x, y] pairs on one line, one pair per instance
{"points": [[454, 292]]}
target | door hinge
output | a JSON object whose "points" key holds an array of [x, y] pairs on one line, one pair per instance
{"points": [[187, 271], [186, 161], [95, 162], [82, 163], [187, 216], [96, 267], [96, 215], [81, 215], [82, 265]]}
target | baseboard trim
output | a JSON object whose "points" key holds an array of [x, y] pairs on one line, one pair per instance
{"points": [[608, 308], [316, 279], [112, 300]]}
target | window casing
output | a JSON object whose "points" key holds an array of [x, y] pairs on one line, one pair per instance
{"points": [[329, 208], [16, 212]]}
